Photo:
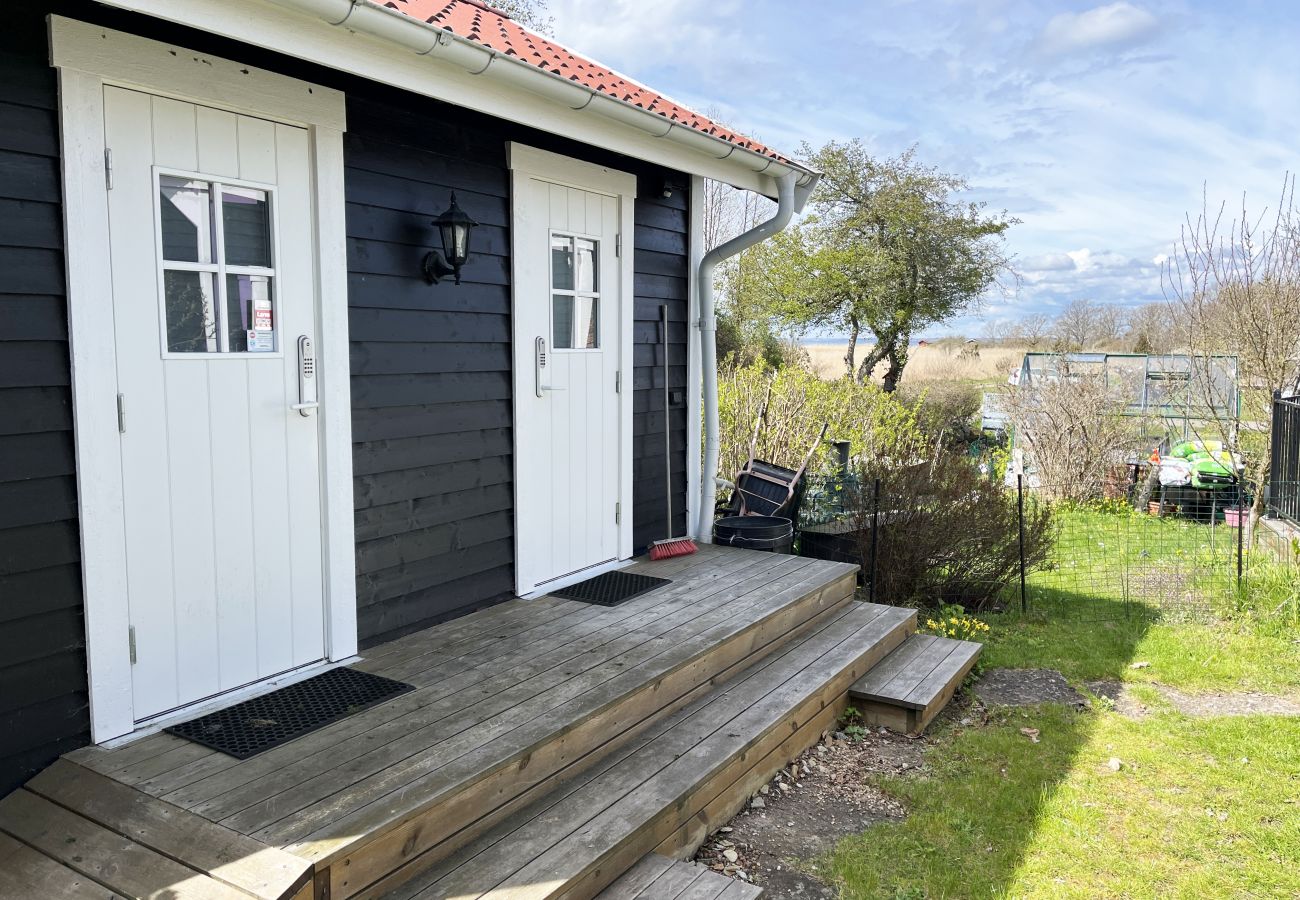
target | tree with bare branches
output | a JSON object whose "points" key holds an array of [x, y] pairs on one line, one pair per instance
{"points": [[1235, 282], [1032, 330]]}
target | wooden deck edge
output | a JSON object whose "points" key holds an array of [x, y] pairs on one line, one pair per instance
{"points": [[656, 876], [471, 832], [861, 691], [208, 849], [369, 865], [685, 823], [912, 718]]}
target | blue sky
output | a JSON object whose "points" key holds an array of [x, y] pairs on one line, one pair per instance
{"points": [[1096, 124]]}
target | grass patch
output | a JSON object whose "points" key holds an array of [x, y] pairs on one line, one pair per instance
{"points": [[1197, 810], [1199, 807]]}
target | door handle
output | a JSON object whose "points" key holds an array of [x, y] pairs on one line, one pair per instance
{"points": [[307, 402], [540, 362]]}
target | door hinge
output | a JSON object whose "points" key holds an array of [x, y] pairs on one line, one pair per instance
{"points": [[108, 168], [618, 382], [121, 414], [618, 513], [618, 245], [130, 637]]}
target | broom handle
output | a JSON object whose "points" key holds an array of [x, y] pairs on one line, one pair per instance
{"points": [[668, 436]]}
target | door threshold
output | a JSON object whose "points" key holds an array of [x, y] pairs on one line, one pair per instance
{"points": [[564, 581], [153, 725]]}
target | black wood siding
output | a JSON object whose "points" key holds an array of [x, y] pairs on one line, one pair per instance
{"points": [[431, 366], [43, 697], [430, 370]]}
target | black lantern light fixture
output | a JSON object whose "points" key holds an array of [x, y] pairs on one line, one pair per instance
{"points": [[454, 226]]}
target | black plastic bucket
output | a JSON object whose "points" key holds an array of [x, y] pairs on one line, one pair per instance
{"points": [[755, 533]]}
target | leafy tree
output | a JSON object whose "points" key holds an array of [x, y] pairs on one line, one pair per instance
{"points": [[886, 249], [529, 13]]}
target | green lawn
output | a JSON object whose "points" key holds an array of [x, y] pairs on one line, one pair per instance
{"points": [[1199, 807]]}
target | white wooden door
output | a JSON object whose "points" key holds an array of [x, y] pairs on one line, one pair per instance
{"points": [[568, 312], [211, 235]]}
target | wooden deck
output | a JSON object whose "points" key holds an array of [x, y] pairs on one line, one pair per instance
{"points": [[657, 877], [911, 685], [510, 701]]}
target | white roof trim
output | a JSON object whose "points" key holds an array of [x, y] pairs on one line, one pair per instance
{"points": [[456, 70]]}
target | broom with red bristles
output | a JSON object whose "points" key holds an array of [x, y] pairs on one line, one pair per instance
{"points": [[673, 546]]}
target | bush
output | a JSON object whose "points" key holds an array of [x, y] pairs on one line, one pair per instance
{"points": [[946, 411], [948, 535], [877, 426]]}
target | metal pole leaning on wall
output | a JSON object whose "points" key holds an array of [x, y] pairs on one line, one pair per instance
{"points": [[1020, 519], [875, 537]]}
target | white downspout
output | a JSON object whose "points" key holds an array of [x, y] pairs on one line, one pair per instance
{"points": [[785, 210]]}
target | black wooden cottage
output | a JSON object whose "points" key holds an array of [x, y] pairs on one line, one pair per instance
{"points": [[241, 434]]}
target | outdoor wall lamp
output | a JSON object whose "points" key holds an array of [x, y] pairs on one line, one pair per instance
{"points": [[454, 225]]}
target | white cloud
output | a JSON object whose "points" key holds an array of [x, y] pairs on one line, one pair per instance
{"points": [[1113, 25], [1049, 262]]}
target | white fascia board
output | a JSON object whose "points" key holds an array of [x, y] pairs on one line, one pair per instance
{"points": [[439, 72]]}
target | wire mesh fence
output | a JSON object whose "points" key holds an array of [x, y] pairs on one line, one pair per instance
{"points": [[1128, 550]]}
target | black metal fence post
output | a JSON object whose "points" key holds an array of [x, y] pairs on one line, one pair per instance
{"points": [[1020, 519], [1242, 519], [875, 537]]}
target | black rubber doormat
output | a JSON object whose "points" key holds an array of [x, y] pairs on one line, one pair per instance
{"points": [[254, 726], [611, 588]]}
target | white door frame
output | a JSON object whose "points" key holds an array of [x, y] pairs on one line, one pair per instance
{"points": [[88, 58], [528, 162]]}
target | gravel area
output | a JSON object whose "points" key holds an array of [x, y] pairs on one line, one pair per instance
{"points": [[805, 810]]}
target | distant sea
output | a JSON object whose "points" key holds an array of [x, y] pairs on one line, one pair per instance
{"points": [[840, 341]]}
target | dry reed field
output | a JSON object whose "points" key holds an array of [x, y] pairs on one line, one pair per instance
{"points": [[933, 362]]}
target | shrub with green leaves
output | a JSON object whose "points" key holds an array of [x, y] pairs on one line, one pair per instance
{"points": [[877, 426]]}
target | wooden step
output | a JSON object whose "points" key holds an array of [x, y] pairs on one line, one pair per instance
{"points": [[657, 877], [676, 781], [911, 685], [83, 834], [448, 793]]}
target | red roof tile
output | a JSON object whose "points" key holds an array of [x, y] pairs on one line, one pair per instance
{"points": [[481, 23]]}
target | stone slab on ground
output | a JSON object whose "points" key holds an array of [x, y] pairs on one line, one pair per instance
{"points": [[1214, 703], [1026, 687]]}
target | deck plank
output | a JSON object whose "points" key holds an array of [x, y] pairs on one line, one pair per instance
{"points": [[873, 685], [226, 855], [421, 833], [913, 676], [26, 874], [917, 671], [497, 710], [112, 860], [595, 688], [953, 667], [510, 858], [653, 811], [197, 786], [319, 770], [635, 879]]}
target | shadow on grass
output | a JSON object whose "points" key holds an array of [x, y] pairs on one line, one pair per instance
{"points": [[974, 811]]}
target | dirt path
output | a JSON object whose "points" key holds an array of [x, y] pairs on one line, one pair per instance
{"points": [[803, 812]]}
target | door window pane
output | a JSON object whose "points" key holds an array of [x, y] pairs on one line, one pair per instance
{"points": [[250, 316], [586, 334], [562, 322], [186, 219], [246, 226], [585, 259], [191, 324], [561, 262]]}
